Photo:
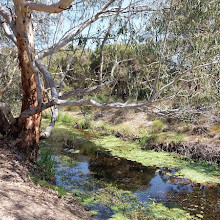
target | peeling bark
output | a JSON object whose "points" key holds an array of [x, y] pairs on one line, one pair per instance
{"points": [[29, 129]]}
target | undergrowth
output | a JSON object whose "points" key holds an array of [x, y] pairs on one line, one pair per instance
{"points": [[43, 173]]}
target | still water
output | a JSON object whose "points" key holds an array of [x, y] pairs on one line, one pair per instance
{"points": [[88, 173]]}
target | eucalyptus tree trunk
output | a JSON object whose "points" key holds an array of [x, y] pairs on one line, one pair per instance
{"points": [[4, 125], [28, 131], [16, 23]]}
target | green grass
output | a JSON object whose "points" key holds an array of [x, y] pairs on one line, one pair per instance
{"points": [[44, 173], [171, 137], [60, 190], [66, 118], [59, 117], [46, 162], [148, 138]]}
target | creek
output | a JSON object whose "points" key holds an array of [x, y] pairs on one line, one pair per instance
{"points": [[109, 185]]}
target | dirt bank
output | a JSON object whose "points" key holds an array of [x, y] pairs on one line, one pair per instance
{"points": [[21, 199]]}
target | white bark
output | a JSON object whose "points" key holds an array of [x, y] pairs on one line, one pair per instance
{"points": [[8, 33], [73, 33], [53, 8], [48, 78], [39, 88], [84, 91], [47, 132], [7, 112], [5, 14]]}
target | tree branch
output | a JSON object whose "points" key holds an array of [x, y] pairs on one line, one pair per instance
{"points": [[48, 78], [156, 95], [5, 14], [47, 132], [72, 34], [7, 112], [84, 91], [92, 102], [7, 31], [53, 8]]}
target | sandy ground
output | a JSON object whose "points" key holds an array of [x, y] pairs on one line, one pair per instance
{"points": [[21, 199]]}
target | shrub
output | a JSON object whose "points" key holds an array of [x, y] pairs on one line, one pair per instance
{"points": [[59, 117], [66, 118], [148, 138], [157, 126], [84, 123]]}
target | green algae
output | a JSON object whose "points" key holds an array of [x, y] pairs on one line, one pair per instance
{"points": [[127, 206], [159, 211], [200, 172]]}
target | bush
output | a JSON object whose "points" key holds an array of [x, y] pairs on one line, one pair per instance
{"points": [[84, 123], [148, 138], [66, 118], [157, 126]]}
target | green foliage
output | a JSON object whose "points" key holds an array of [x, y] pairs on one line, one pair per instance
{"points": [[46, 161], [59, 117], [178, 139], [123, 203], [10, 78], [157, 126], [66, 118], [47, 114], [145, 139], [66, 160], [119, 216], [127, 206], [84, 123], [44, 173]]}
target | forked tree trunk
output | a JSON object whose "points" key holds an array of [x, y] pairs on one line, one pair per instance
{"points": [[29, 130]]}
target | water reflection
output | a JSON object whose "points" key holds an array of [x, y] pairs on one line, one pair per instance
{"points": [[125, 174], [91, 172]]}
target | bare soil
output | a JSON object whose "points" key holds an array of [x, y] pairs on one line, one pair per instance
{"points": [[22, 199]]}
